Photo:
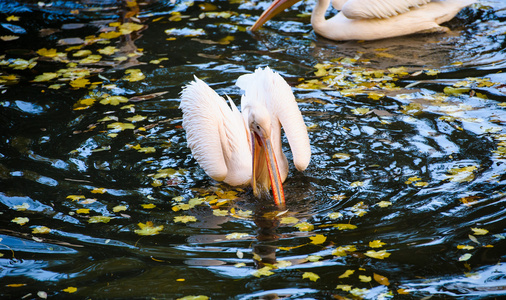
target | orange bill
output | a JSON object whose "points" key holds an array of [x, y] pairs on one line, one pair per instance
{"points": [[262, 145], [276, 7]]}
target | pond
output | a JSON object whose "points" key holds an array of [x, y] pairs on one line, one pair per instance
{"points": [[404, 197]]}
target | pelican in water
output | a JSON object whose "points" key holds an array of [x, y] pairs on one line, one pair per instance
{"points": [[374, 19], [241, 148]]}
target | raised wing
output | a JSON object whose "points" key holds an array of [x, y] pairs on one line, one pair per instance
{"points": [[371, 9], [214, 131], [280, 101]]}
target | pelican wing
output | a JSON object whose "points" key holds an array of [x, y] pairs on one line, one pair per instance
{"points": [[214, 131], [371, 9], [273, 89]]}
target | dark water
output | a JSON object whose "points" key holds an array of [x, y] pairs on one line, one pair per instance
{"points": [[409, 152]]}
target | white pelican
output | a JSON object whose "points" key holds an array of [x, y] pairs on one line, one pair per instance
{"points": [[245, 148], [374, 19]]}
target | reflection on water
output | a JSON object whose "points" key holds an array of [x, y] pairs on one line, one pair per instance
{"points": [[404, 196]]}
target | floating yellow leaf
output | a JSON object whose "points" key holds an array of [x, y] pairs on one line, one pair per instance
{"points": [[412, 179], [403, 291], [356, 184], [88, 201], [344, 287], [347, 274], [381, 279], [20, 220], [455, 91], [431, 72], [338, 197], [345, 226], [114, 100], [335, 215], [283, 264], [289, 220], [412, 109], [376, 244], [304, 226], [91, 59], [121, 126], [134, 75], [421, 183], [109, 50], [384, 204], [464, 174], [236, 235], [12, 18], [99, 219], [21, 207], [147, 150], [343, 156], [311, 276], [47, 52], [465, 247], [129, 27], [119, 208], [365, 278], [83, 211], [136, 118], [148, 205], [82, 53], [313, 258], [265, 271], [381, 254], [70, 289], [318, 239], [148, 229], [185, 219], [479, 231], [220, 212], [41, 229], [46, 76], [343, 250], [99, 190], [75, 197], [79, 83], [360, 111], [199, 297]]}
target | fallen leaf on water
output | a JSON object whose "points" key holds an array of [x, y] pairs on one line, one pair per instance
{"points": [[21, 207], [345, 226], [335, 215], [464, 174], [70, 289], [91, 59], [376, 244], [82, 53], [265, 271], [356, 184], [7, 38], [343, 156], [283, 264], [384, 204], [479, 231], [109, 50], [47, 52], [119, 208], [114, 100], [343, 250], [465, 247], [185, 219], [20, 220], [99, 219], [304, 226], [381, 254], [83, 211], [381, 279], [364, 278], [344, 287], [75, 197], [79, 83], [134, 75], [465, 257], [346, 274], [199, 297], [313, 258], [46, 76], [360, 110], [289, 220], [318, 239], [148, 229], [236, 235], [99, 190], [311, 276], [121, 126], [41, 230]]}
